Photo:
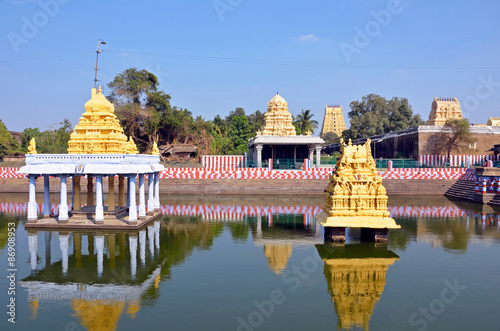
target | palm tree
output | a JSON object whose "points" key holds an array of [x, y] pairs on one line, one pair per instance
{"points": [[305, 122]]}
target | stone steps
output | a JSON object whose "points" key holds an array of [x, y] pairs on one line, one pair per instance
{"points": [[462, 189]]}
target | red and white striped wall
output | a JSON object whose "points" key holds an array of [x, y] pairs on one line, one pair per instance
{"points": [[223, 161], [239, 212], [455, 160]]}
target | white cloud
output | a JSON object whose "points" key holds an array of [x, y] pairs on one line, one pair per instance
{"points": [[309, 38]]}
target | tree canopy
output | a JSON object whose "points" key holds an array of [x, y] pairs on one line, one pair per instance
{"points": [[304, 122], [375, 115], [51, 141], [456, 132], [8, 144]]}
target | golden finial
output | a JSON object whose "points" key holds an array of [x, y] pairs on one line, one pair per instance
{"points": [[32, 146]]}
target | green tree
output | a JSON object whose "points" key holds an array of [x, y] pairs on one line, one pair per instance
{"points": [[456, 131], [375, 115], [256, 121], [305, 122], [239, 133], [8, 144], [330, 138]]}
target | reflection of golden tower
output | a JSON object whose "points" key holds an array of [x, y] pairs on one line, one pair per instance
{"points": [[98, 314], [356, 279], [99, 131], [333, 121], [277, 119], [277, 256], [443, 109]]}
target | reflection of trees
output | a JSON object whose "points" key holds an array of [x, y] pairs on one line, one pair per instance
{"points": [[4, 235], [451, 234], [239, 231], [399, 238]]}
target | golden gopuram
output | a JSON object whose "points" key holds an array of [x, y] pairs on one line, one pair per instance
{"points": [[277, 119], [443, 109], [99, 131], [355, 197], [334, 120]]}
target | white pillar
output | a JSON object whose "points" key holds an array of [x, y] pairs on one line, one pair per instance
{"points": [[48, 238], [64, 245], [32, 214], [132, 209], [99, 244], [142, 198], [99, 208], [142, 246], [259, 226], [151, 237], [259, 155], [151, 200], [46, 196], [157, 191], [132, 244], [318, 155], [63, 204], [32, 246], [311, 155], [128, 192]]}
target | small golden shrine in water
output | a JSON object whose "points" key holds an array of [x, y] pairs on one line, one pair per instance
{"points": [[99, 131], [355, 196]]}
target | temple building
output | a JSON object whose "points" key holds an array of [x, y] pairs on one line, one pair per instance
{"points": [[333, 121], [493, 121], [97, 150], [443, 109], [278, 140]]}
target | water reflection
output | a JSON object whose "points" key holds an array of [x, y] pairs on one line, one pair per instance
{"points": [[355, 274]]}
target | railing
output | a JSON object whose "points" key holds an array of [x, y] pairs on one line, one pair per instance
{"points": [[287, 164]]}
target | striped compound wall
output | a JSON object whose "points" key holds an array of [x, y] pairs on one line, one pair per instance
{"points": [[311, 173], [456, 160], [239, 212], [223, 161]]}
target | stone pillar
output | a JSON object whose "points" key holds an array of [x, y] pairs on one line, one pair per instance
{"points": [[151, 199], [111, 193], [132, 210], [334, 234], [32, 247], [132, 244], [77, 241], [128, 192], [157, 191], [318, 156], [157, 234], [63, 204], [121, 191], [48, 239], [311, 155], [46, 196], [259, 226], [99, 243], [32, 214], [142, 247], [77, 200], [99, 208], [142, 198], [259, 155], [64, 245], [90, 191]]}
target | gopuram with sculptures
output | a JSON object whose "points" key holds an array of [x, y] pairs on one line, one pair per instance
{"points": [[355, 197], [98, 153], [278, 139]]}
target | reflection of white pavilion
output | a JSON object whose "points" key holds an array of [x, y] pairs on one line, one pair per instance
{"points": [[97, 301], [98, 149]]}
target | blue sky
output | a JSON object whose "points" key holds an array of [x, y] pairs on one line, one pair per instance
{"points": [[214, 56]]}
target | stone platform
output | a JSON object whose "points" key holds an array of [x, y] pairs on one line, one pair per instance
{"points": [[83, 220]]}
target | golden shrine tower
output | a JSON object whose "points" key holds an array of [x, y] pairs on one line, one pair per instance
{"points": [[443, 109], [355, 196], [334, 120], [277, 119], [99, 131]]}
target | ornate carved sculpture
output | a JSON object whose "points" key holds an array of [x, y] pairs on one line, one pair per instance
{"points": [[277, 119], [32, 146], [443, 109], [355, 196]]}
